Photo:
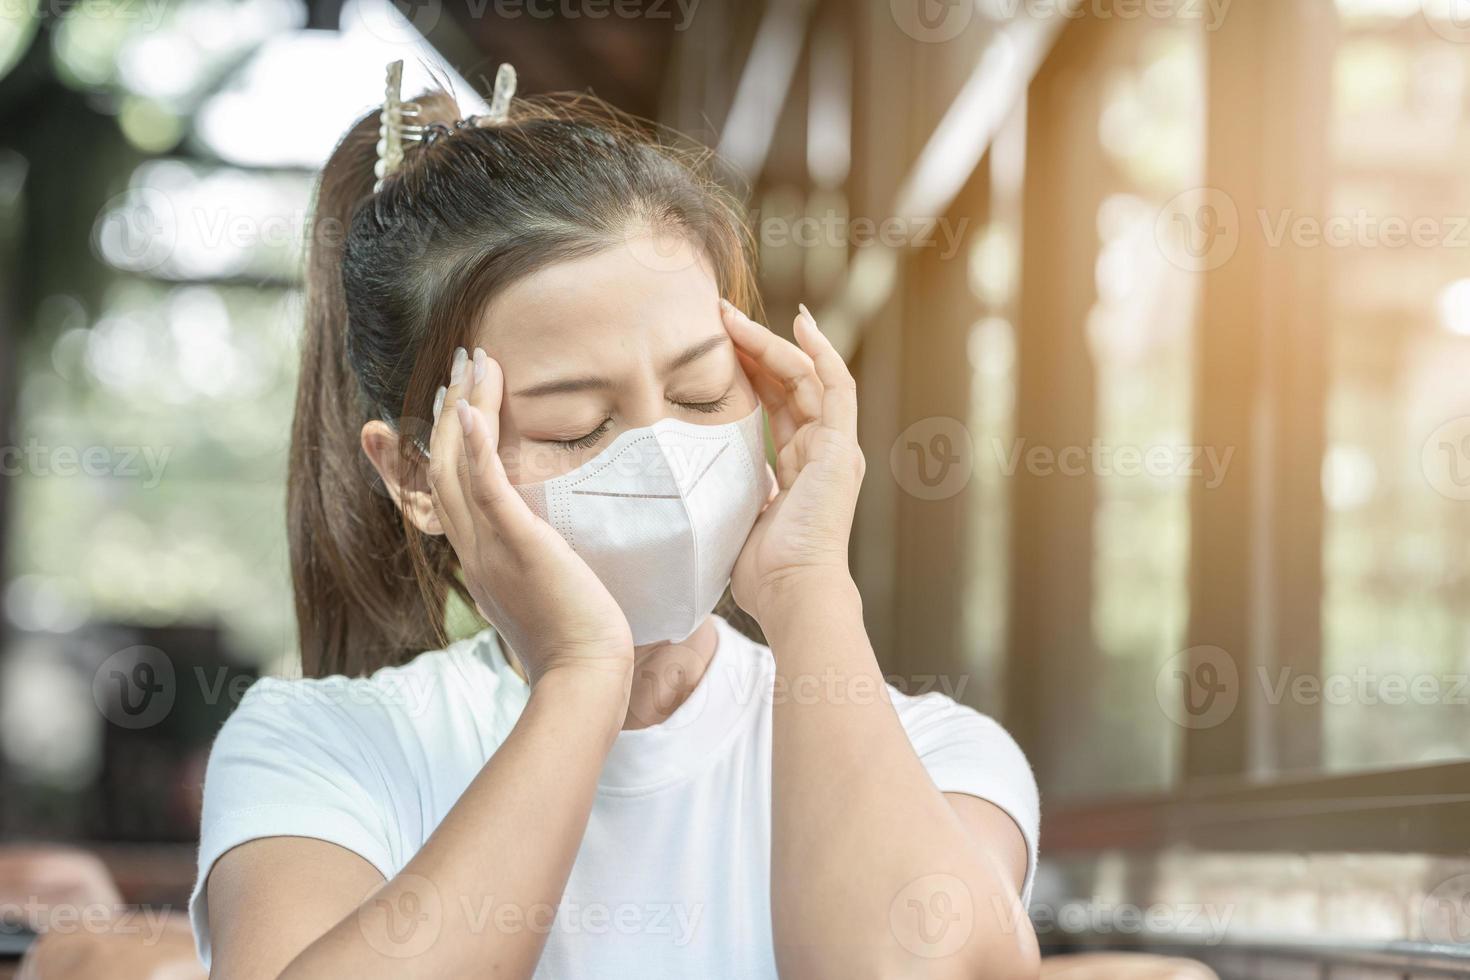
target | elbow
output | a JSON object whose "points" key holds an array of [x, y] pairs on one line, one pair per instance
{"points": [[998, 957], [1006, 951], [1016, 956]]}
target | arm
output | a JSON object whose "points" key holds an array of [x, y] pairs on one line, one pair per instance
{"points": [[479, 897], [901, 881], [874, 872], [298, 908]]}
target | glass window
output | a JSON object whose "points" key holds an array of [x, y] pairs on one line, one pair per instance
{"points": [[1396, 474]]}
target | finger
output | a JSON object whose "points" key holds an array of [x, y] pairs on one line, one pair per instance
{"points": [[839, 390], [484, 482], [446, 450], [787, 363], [773, 398], [483, 396], [791, 458]]}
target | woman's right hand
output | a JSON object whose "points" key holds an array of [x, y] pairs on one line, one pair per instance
{"points": [[540, 596]]}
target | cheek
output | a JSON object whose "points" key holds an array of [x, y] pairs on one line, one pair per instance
{"points": [[744, 400], [529, 461]]}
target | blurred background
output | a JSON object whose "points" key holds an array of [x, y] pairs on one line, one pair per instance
{"points": [[1160, 312]]}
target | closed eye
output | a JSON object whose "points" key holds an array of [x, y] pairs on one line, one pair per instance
{"points": [[707, 407], [585, 441]]}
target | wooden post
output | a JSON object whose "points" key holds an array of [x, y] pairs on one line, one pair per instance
{"points": [[1256, 576], [1052, 668]]}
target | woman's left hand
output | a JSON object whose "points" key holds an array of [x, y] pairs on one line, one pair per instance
{"points": [[811, 400]]}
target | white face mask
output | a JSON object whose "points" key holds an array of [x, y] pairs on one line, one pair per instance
{"points": [[660, 516]]}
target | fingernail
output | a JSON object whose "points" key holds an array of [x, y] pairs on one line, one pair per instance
{"points": [[466, 417], [439, 401], [456, 370], [482, 364], [806, 313]]}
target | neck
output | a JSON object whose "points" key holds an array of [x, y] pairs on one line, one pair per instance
{"points": [[665, 674]]}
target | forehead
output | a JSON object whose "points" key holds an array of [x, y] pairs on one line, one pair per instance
{"points": [[647, 295]]}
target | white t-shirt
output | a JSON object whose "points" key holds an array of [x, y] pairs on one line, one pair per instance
{"points": [[673, 875]]}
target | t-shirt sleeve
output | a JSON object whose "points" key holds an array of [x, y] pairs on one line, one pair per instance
{"points": [[276, 771], [967, 752]]}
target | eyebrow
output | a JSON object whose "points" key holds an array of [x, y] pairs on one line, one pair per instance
{"points": [[698, 350], [563, 386]]}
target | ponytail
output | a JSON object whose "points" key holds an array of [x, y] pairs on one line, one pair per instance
{"points": [[363, 598]]}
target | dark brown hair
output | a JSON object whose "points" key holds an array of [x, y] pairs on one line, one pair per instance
{"points": [[397, 279]]}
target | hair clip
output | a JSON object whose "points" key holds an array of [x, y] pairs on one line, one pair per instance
{"points": [[398, 120], [504, 91], [395, 125]]}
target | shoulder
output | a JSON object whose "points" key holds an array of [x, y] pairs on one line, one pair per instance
{"points": [[963, 750], [970, 753], [440, 685], [933, 718], [341, 741], [360, 762]]}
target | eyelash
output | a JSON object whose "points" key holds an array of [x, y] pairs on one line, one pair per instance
{"points": [[708, 407], [592, 438], [584, 442]]}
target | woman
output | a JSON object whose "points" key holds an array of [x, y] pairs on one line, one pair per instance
{"points": [[613, 782]]}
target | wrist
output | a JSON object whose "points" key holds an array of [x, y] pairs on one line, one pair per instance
{"points": [[789, 592], [594, 693]]}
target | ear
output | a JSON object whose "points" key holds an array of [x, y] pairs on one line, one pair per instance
{"points": [[407, 485]]}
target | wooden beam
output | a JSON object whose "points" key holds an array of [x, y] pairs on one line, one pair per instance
{"points": [[1422, 809]]}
